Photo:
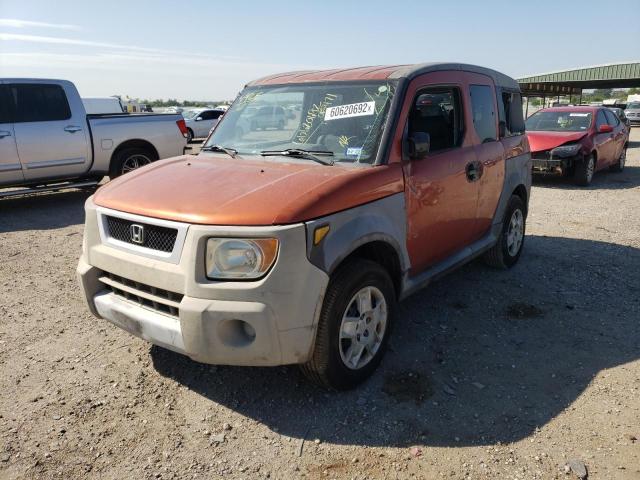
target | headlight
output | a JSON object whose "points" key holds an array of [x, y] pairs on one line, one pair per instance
{"points": [[566, 150], [239, 258]]}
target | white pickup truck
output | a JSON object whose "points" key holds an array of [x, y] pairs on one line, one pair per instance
{"points": [[49, 142]]}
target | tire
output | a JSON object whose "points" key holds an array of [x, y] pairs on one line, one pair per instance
{"points": [[189, 135], [504, 254], [327, 366], [622, 160], [583, 171], [129, 159]]}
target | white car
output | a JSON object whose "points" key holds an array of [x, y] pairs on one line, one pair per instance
{"points": [[200, 121]]}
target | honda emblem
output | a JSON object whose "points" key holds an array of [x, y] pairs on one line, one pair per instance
{"points": [[137, 233]]}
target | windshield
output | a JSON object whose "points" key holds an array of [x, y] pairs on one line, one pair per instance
{"points": [[634, 105], [187, 114], [559, 121], [344, 119]]}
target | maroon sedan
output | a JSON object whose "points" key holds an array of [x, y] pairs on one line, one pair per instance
{"points": [[577, 141]]}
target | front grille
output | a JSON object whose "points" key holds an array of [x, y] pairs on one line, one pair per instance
{"points": [[153, 236], [157, 299]]}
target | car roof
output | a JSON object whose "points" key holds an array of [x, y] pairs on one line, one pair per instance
{"points": [[381, 72]]}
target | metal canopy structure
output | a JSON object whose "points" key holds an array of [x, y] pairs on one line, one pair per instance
{"points": [[572, 82]]}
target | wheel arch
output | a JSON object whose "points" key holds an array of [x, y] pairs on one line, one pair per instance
{"points": [[382, 252], [521, 191], [374, 231], [135, 143]]}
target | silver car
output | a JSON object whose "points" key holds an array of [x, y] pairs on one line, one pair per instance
{"points": [[200, 121], [632, 112]]}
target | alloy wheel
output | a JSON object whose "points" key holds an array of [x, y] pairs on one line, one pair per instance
{"points": [[515, 234], [134, 162], [363, 327]]}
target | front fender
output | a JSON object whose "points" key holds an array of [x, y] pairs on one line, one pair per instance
{"points": [[380, 220]]}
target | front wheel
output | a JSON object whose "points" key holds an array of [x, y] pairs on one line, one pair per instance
{"points": [[189, 135], [354, 326], [506, 252], [584, 170]]}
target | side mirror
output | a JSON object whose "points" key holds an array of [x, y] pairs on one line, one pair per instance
{"points": [[502, 129], [198, 119], [605, 129], [418, 145]]}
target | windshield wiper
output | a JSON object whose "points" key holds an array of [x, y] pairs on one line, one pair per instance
{"points": [[232, 152], [299, 153]]}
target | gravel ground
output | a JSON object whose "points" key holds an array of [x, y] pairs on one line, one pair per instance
{"points": [[491, 374]]}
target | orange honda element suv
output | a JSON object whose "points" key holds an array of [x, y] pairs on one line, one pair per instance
{"points": [[291, 242]]}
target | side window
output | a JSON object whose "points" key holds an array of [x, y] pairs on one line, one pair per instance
{"points": [[601, 119], [208, 115], [215, 114], [483, 110], [438, 112], [612, 118], [5, 115], [510, 112], [39, 103]]}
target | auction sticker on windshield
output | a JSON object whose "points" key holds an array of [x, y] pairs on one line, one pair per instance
{"points": [[352, 110]]}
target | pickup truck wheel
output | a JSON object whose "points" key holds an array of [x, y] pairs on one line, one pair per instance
{"points": [[506, 252], [622, 159], [189, 135], [129, 159], [354, 326], [584, 170]]}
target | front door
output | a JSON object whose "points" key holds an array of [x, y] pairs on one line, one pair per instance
{"points": [[52, 141], [10, 168], [441, 189]]}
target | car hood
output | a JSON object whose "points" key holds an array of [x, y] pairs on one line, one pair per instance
{"points": [[213, 190], [539, 141]]}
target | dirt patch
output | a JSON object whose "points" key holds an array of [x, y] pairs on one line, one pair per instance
{"points": [[488, 397], [407, 387]]}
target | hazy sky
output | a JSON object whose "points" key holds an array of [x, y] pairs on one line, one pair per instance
{"points": [[210, 49]]}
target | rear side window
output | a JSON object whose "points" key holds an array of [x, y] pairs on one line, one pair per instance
{"points": [[39, 103], [5, 116], [612, 118], [484, 112], [510, 112]]}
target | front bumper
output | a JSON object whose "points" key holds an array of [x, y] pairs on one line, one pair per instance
{"points": [[270, 321], [552, 165]]}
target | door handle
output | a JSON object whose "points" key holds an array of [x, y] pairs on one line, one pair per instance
{"points": [[473, 171], [72, 129], [4, 133]]}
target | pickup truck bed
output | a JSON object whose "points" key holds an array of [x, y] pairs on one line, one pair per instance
{"points": [[47, 137]]}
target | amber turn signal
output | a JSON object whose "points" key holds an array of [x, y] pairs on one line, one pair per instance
{"points": [[319, 233]]}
